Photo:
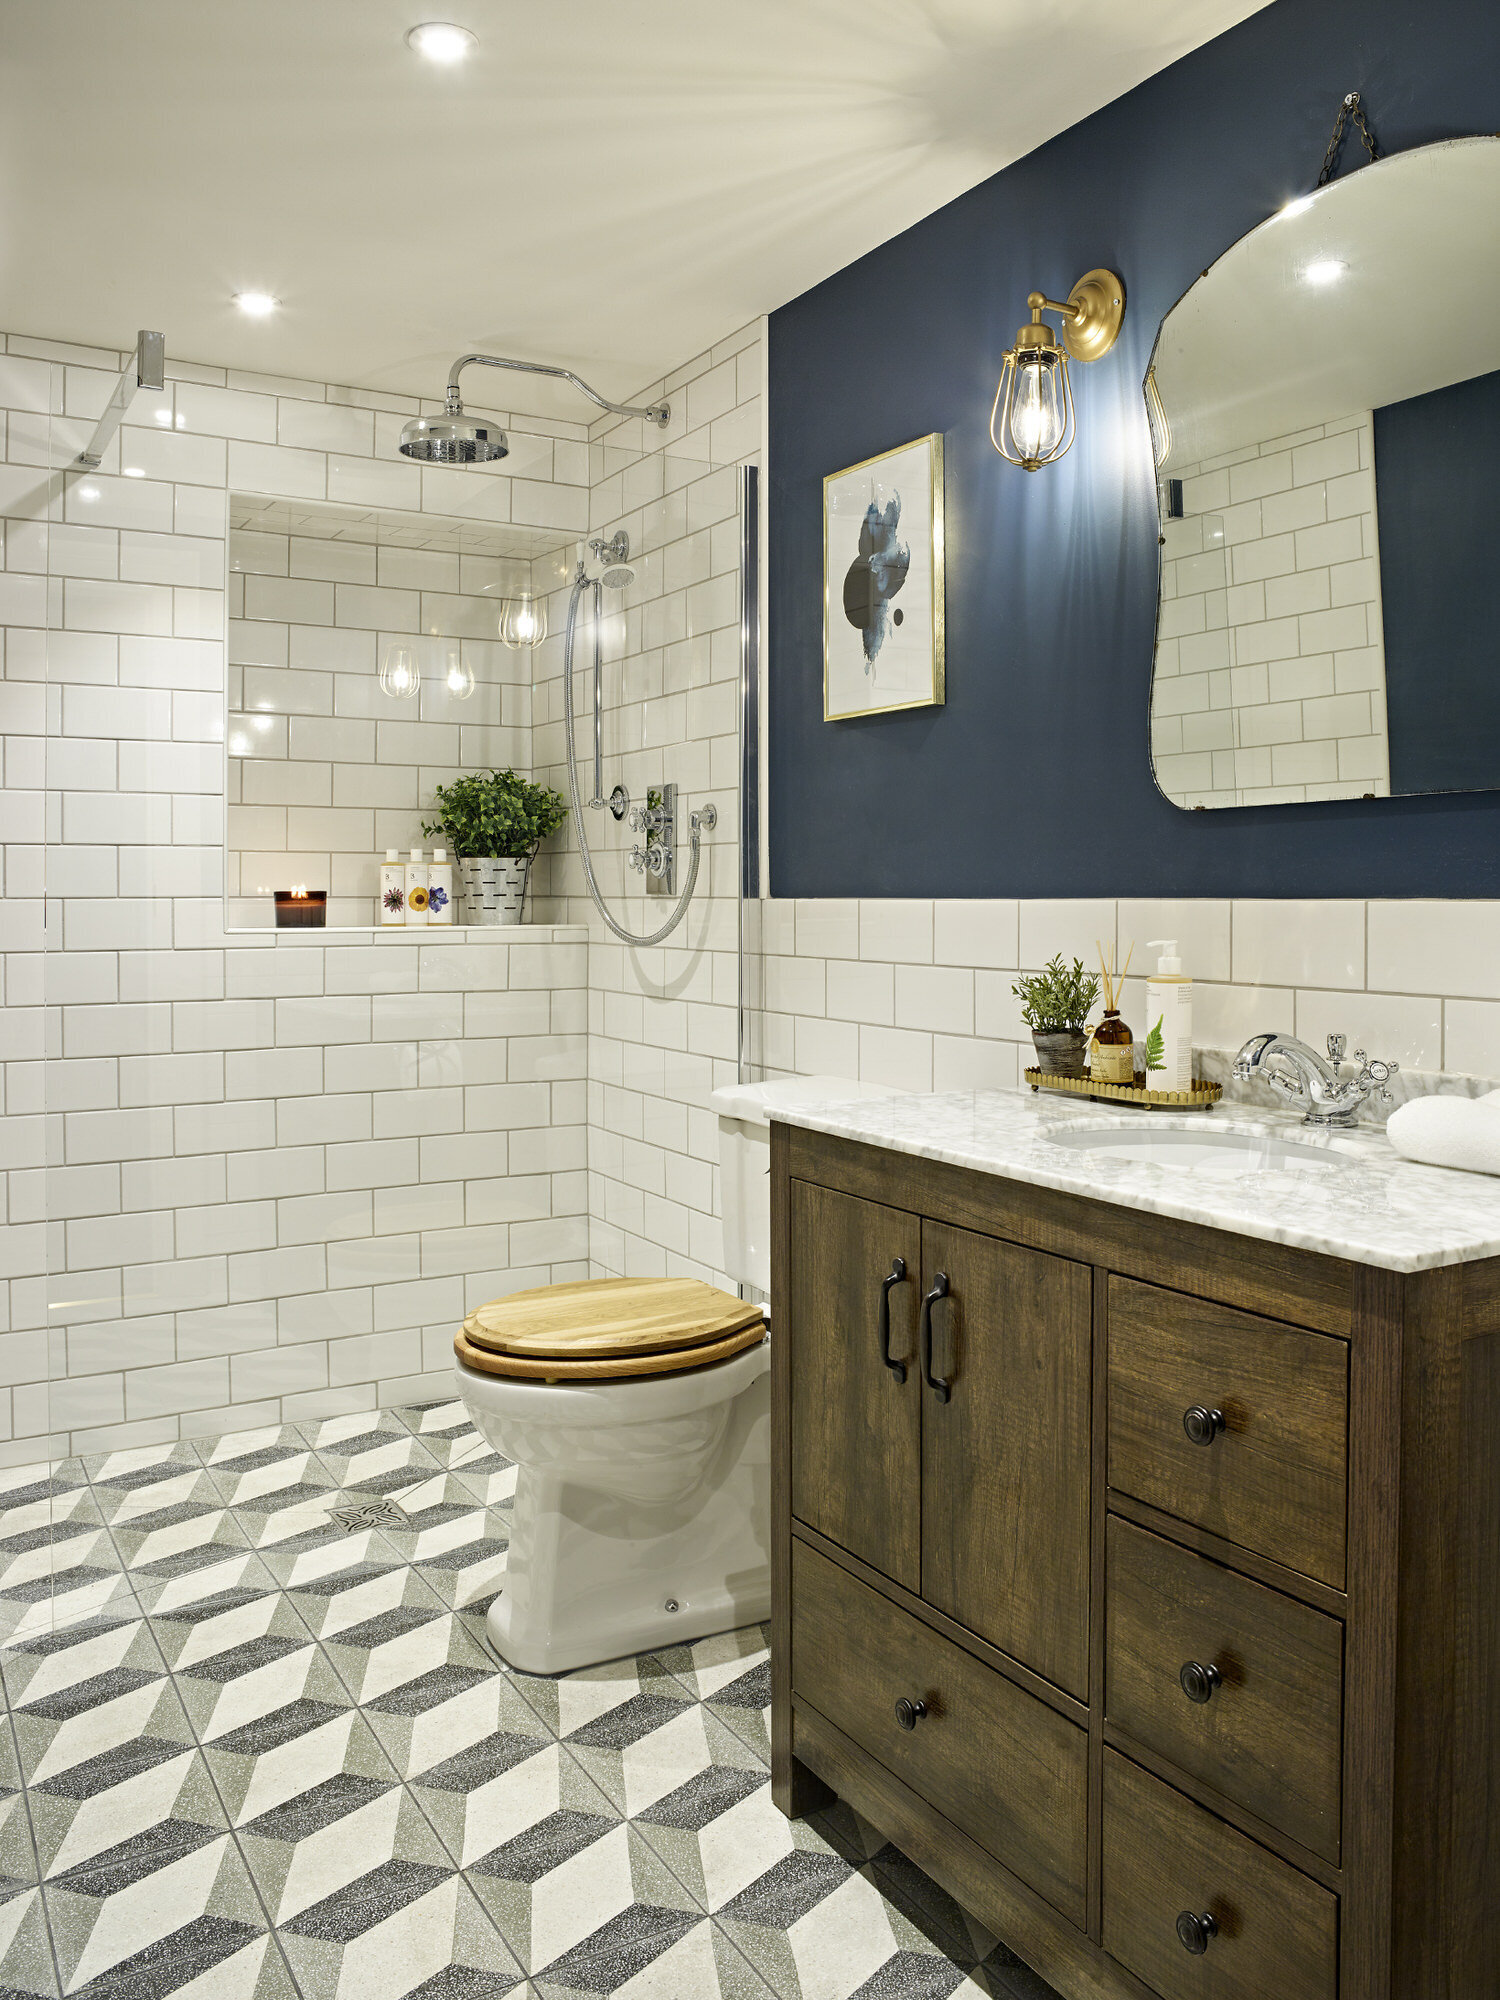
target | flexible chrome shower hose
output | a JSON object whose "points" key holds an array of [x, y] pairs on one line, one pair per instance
{"points": [[580, 583]]}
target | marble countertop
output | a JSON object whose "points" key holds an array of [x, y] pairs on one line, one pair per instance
{"points": [[1373, 1208]]}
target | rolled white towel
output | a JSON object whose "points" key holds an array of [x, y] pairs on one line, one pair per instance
{"points": [[1449, 1132]]}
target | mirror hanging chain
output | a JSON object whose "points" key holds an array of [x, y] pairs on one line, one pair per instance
{"points": [[1351, 111]]}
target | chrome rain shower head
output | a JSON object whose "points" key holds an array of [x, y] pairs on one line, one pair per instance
{"points": [[453, 438]]}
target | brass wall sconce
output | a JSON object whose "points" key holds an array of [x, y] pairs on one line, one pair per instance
{"points": [[1033, 422]]}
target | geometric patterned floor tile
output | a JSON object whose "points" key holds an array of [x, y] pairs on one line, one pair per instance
{"points": [[27, 1971], [268, 1760], [393, 1931], [208, 1959], [114, 1917], [584, 1891]]}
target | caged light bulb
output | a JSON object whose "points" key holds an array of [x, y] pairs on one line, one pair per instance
{"points": [[1036, 416]]}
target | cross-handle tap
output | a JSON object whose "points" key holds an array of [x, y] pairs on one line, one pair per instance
{"points": [[1301, 1077]]}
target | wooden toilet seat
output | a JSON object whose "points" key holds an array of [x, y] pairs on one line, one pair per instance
{"points": [[602, 1328]]}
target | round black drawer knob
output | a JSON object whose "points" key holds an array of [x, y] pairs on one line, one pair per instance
{"points": [[1202, 1425], [910, 1713], [1198, 1681], [1194, 1932]]}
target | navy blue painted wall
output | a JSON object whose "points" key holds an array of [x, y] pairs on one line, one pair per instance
{"points": [[1034, 780], [1437, 467]]}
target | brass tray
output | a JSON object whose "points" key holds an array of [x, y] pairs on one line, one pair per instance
{"points": [[1202, 1097]]}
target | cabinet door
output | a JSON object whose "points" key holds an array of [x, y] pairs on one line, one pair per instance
{"points": [[856, 1426], [1005, 1460]]}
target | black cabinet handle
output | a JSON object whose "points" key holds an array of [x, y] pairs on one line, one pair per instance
{"points": [[1202, 1425], [910, 1713], [1198, 1681], [897, 1277], [1194, 1933], [941, 1386]]}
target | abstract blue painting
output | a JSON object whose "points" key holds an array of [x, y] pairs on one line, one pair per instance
{"points": [[883, 582]]}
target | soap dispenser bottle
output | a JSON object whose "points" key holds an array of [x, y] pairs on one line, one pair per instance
{"points": [[440, 888], [392, 889], [1169, 1022], [416, 887]]}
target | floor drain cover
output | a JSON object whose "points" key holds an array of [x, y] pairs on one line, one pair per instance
{"points": [[371, 1510]]}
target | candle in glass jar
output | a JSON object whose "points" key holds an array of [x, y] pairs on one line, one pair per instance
{"points": [[301, 908]]}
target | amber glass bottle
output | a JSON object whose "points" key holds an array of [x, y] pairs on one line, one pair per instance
{"points": [[1112, 1051]]}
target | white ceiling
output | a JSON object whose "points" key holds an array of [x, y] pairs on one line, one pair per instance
{"points": [[611, 187]]}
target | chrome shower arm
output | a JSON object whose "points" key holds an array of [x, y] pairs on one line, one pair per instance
{"points": [[146, 369], [657, 413]]}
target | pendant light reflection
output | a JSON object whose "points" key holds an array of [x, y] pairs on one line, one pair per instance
{"points": [[458, 674], [523, 621], [1033, 422], [400, 676]]}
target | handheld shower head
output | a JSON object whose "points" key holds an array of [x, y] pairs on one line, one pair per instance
{"points": [[453, 438], [618, 571]]}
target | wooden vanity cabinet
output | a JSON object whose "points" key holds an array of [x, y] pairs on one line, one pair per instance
{"points": [[1141, 1581]]}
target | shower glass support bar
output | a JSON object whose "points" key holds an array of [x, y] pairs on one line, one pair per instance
{"points": [[144, 370]]}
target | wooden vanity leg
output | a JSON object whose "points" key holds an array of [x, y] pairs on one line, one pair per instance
{"points": [[797, 1791]]}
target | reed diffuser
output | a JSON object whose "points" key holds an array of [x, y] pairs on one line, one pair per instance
{"points": [[1112, 1049]]}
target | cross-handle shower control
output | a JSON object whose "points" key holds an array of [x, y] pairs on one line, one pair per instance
{"points": [[650, 860], [647, 819]]}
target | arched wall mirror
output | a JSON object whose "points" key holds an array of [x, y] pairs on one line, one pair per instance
{"points": [[1325, 413]]}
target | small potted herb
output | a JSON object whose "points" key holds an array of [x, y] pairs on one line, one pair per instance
{"points": [[494, 822], [1055, 1003]]}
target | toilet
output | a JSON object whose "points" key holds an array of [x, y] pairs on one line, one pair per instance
{"points": [[637, 1414]]}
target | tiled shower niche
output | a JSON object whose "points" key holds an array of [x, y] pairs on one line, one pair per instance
{"points": [[326, 769]]}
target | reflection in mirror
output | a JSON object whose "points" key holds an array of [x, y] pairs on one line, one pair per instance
{"points": [[1325, 413]]}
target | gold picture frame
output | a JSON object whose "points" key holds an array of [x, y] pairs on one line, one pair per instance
{"points": [[883, 607]]}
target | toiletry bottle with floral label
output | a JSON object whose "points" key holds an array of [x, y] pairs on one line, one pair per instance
{"points": [[392, 889], [1169, 1022], [416, 887], [440, 888]]}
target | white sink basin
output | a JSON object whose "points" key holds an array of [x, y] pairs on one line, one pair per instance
{"points": [[1202, 1151]]}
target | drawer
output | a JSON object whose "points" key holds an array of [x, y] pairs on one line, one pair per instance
{"points": [[1268, 1733], [1272, 1479], [1000, 1764], [1275, 1935]]}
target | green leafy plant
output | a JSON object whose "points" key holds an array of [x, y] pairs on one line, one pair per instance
{"points": [[1156, 1046], [1056, 999], [495, 813]]}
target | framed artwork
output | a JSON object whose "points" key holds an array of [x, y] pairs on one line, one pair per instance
{"points": [[883, 583]]}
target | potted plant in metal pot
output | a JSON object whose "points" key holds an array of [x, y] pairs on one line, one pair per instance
{"points": [[1055, 1003], [494, 822]]}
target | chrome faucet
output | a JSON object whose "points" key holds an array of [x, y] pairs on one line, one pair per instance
{"points": [[1300, 1076]]}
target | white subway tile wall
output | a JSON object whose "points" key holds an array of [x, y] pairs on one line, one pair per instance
{"points": [[663, 1019], [326, 768], [1409, 980], [1270, 658], [249, 1176]]}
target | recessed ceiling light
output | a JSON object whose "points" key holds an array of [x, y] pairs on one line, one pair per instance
{"points": [[256, 304], [1324, 271], [440, 41]]}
